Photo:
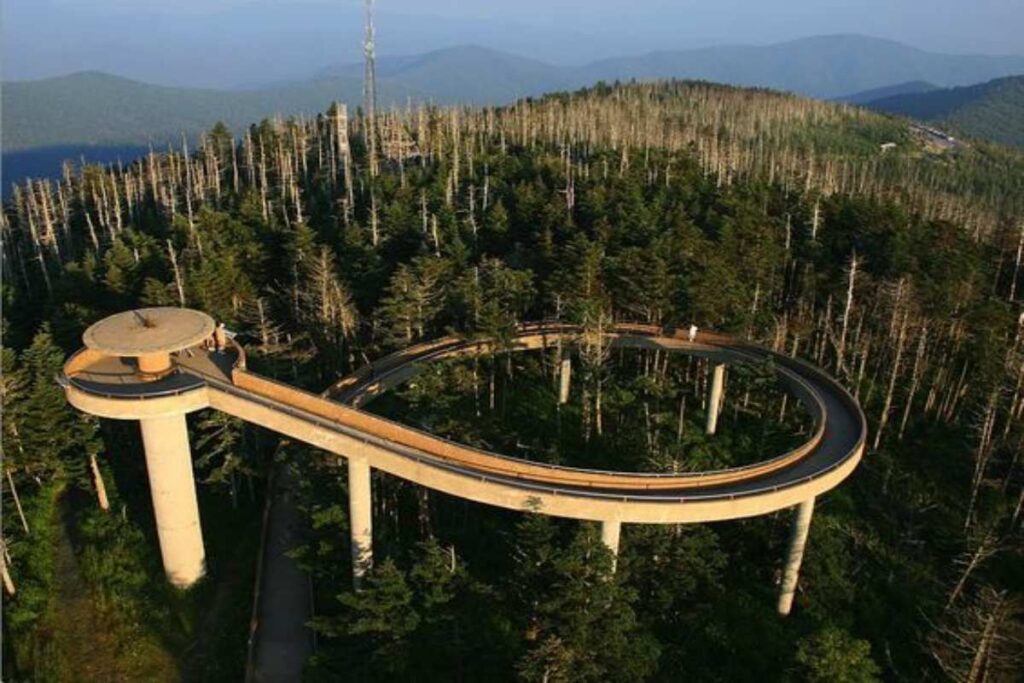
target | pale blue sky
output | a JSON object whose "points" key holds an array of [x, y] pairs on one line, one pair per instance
{"points": [[226, 42], [946, 25]]}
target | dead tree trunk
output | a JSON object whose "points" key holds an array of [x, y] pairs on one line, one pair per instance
{"points": [[17, 502], [4, 561], [883, 419], [841, 346], [97, 480], [177, 274]]}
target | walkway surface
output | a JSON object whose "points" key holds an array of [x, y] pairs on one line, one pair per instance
{"points": [[283, 642], [119, 376]]}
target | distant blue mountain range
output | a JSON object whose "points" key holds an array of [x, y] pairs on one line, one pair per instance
{"points": [[91, 113]]}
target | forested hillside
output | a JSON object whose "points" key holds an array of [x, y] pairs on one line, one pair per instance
{"points": [[91, 108], [330, 240], [992, 111]]}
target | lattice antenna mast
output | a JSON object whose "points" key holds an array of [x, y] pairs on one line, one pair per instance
{"points": [[370, 90]]}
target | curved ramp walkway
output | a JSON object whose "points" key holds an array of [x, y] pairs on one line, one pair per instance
{"points": [[816, 466], [367, 441]]}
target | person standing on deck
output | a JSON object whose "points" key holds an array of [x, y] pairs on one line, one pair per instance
{"points": [[220, 337]]}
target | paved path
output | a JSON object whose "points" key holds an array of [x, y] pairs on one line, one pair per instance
{"points": [[283, 643]]}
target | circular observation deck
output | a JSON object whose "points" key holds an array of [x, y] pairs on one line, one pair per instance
{"points": [[147, 362], [149, 336]]}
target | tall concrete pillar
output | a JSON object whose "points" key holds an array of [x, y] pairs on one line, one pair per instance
{"points": [[801, 525], [715, 399], [173, 489], [564, 379], [610, 531], [360, 517]]}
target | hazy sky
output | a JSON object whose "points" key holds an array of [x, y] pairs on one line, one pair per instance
{"points": [[228, 43], [947, 25]]}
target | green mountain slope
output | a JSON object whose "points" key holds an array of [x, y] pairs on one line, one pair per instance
{"points": [[992, 110], [908, 88], [91, 108]]}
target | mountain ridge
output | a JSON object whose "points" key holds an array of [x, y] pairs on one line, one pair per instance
{"points": [[94, 108], [776, 65], [907, 88], [993, 110], [817, 66]]}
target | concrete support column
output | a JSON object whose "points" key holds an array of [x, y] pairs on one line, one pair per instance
{"points": [[360, 517], [564, 379], [801, 525], [154, 365], [173, 489], [610, 531], [715, 399]]}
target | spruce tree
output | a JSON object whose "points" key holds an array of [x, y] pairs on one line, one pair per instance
{"points": [[51, 433], [381, 619], [576, 613], [831, 655]]}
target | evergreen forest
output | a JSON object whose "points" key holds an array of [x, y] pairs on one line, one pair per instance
{"points": [[330, 241]]}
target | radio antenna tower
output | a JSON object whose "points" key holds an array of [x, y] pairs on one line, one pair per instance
{"points": [[370, 90]]}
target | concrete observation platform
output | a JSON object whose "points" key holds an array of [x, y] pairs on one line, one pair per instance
{"points": [[149, 364], [149, 336], [110, 379]]}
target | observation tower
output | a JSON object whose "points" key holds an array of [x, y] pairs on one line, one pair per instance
{"points": [[129, 371], [151, 365]]}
